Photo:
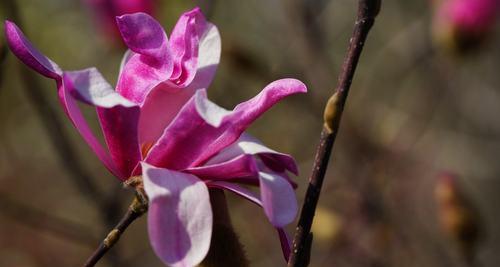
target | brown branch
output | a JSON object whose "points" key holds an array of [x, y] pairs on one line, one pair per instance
{"points": [[137, 208], [367, 11]]}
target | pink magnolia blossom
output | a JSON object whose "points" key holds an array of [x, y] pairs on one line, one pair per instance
{"points": [[105, 11], [464, 22], [159, 124]]}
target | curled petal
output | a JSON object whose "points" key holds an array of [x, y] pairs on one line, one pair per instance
{"points": [[71, 108], [119, 125], [208, 57], [184, 43], [118, 116], [143, 34], [202, 129], [164, 102], [90, 87], [28, 54], [179, 216], [151, 62], [249, 145], [229, 126], [240, 169]]}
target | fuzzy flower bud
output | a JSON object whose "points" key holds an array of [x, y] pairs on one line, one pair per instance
{"points": [[460, 25]]}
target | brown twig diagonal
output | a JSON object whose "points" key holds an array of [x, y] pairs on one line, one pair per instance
{"points": [[137, 208], [367, 11]]}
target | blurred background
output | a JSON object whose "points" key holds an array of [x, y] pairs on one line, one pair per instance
{"points": [[414, 177]]}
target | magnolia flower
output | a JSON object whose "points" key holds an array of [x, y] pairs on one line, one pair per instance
{"points": [[460, 24], [105, 11], [159, 125]]}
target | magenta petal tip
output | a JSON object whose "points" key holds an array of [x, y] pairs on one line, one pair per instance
{"points": [[143, 34], [28, 54]]}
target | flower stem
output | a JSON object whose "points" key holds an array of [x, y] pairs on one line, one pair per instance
{"points": [[225, 248], [367, 11], [136, 209]]}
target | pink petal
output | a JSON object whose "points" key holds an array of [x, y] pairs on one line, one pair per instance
{"points": [[75, 115], [126, 57], [184, 43], [90, 87], [278, 199], [151, 62], [179, 216], [208, 57], [249, 145], [202, 129], [239, 169], [143, 35], [159, 109], [118, 116], [252, 197], [164, 102], [28, 54], [119, 125]]}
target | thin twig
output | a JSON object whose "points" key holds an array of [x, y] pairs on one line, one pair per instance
{"points": [[367, 11], [137, 208]]}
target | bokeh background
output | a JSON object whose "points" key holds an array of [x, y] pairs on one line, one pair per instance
{"points": [[415, 111]]}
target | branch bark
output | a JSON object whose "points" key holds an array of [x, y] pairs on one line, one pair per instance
{"points": [[367, 11], [137, 208]]}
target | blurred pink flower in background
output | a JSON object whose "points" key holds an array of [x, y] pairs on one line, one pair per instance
{"points": [[159, 125], [105, 12], [463, 24]]}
